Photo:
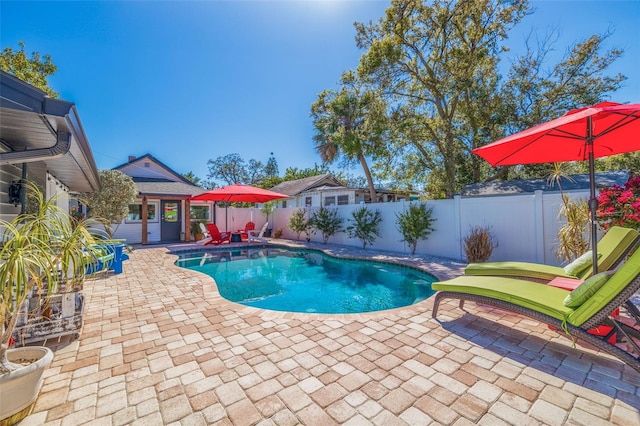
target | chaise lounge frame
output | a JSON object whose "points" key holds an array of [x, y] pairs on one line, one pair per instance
{"points": [[602, 317]]}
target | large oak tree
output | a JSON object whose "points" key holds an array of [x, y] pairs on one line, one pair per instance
{"points": [[438, 64]]}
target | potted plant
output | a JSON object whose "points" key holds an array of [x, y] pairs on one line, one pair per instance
{"points": [[195, 230], [267, 209], [41, 253]]}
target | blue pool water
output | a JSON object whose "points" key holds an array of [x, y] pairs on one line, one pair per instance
{"points": [[309, 281]]}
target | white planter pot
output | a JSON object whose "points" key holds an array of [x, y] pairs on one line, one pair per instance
{"points": [[19, 389]]}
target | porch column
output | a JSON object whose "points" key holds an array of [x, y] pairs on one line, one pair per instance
{"points": [[187, 220], [144, 214]]}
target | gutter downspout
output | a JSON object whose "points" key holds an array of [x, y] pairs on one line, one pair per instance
{"points": [[61, 147], [23, 198]]}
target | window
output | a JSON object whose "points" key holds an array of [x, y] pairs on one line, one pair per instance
{"points": [[171, 214], [329, 201], [199, 213], [307, 202], [343, 200], [135, 213], [284, 204]]}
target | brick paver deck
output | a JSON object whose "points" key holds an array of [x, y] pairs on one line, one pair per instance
{"points": [[160, 346]]}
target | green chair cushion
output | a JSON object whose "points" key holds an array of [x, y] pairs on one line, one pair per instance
{"points": [[585, 290], [517, 269], [610, 248], [536, 296], [580, 264], [611, 288], [543, 298]]}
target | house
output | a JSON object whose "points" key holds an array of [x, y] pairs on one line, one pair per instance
{"points": [[162, 211], [326, 190], [41, 140], [571, 183]]}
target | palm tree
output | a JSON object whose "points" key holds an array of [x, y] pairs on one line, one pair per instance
{"points": [[350, 122]]}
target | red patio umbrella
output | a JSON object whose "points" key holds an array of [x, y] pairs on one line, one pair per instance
{"points": [[600, 130], [239, 193]]}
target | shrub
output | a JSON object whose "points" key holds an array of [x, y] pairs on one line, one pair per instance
{"points": [[620, 205], [112, 201], [365, 225], [277, 233], [327, 222], [298, 222], [479, 244], [571, 237], [415, 224]]}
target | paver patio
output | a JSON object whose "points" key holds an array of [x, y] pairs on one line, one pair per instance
{"points": [[160, 346]]}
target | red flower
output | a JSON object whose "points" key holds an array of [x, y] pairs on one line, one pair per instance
{"points": [[620, 205]]}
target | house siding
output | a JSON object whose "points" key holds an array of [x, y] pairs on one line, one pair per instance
{"points": [[139, 170], [8, 173]]}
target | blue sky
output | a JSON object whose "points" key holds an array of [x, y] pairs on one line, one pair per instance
{"points": [[191, 81]]}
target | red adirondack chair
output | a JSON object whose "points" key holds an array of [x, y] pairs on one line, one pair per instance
{"points": [[244, 233], [217, 237]]}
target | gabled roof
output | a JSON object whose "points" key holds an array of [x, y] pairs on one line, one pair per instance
{"points": [[295, 187], [162, 188], [133, 162], [573, 183], [46, 134]]}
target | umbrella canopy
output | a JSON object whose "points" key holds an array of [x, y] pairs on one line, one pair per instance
{"points": [[239, 193], [600, 130]]}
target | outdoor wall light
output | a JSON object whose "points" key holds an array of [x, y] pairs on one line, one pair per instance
{"points": [[15, 189]]}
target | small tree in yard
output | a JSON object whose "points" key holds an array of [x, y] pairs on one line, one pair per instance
{"points": [[327, 222], [112, 201], [298, 222], [415, 224], [365, 225], [268, 208]]}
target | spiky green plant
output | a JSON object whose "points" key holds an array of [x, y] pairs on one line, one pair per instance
{"points": [[415, 224], [571, 236], [572, 241], [327, 222], [365, 225], [39, 251]]}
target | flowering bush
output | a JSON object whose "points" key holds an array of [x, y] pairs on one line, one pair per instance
{"points": [[620, 205]]}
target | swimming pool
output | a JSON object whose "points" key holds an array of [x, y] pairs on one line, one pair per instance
{"points": [[296, 280]]}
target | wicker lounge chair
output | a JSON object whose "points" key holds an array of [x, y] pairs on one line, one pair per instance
{"points": [[612, 249], [547, 304]]}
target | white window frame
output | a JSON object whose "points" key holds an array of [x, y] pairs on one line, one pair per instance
{"points": [[156, 207]]}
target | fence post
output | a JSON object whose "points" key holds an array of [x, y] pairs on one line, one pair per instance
{"points": [[457, 232], [538, 226]]}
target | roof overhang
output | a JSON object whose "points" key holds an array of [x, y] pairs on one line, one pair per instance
{"points": [[46, 134]]}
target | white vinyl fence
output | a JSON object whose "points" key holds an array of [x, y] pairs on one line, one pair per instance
{"points": [[235, 218], [525, 226]]}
